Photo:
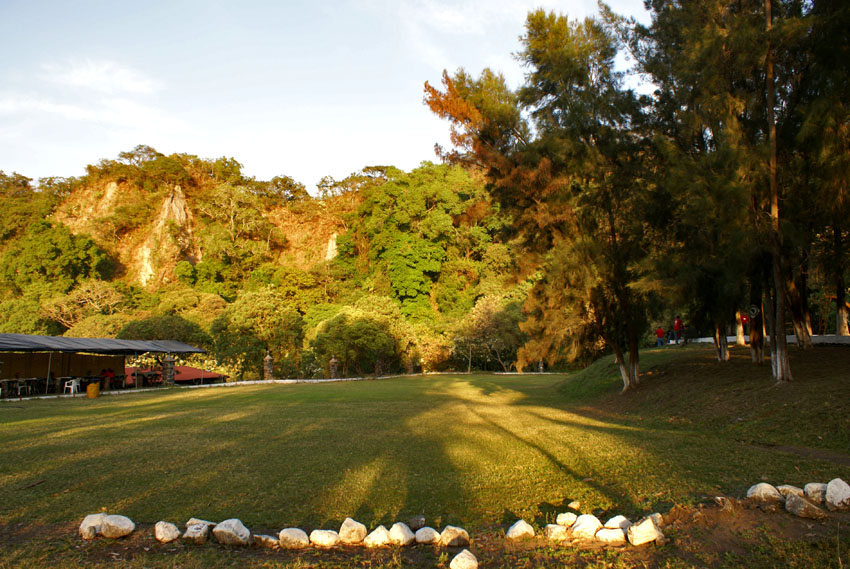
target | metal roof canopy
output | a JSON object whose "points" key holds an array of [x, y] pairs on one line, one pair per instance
{"points": [[28, 343]]}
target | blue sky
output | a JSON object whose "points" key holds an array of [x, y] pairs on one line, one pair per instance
{"points": [[305, 89]]}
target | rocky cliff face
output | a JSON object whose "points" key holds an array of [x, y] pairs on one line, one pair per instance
{"points": [[171, 239]]}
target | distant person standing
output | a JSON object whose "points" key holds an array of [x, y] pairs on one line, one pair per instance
{"points": [[659, 337], [677, 329]]}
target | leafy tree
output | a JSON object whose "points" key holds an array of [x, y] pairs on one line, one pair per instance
{"points": [[165, 327], [87, 299], [361, 345]]}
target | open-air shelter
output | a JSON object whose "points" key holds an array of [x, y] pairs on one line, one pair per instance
{"points": [[32, 361]]}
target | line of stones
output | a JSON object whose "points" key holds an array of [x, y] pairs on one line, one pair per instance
{"points": [[804, 502]]}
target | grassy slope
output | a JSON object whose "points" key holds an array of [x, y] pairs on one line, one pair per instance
{"points": [[476, 450]]}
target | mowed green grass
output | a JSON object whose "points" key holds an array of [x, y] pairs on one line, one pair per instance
{"points": [[474, 450]]}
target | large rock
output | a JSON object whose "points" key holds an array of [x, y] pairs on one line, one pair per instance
{"points": [[116, 526], [196, 521], [427, 535], [586, 526], [379, 537], [197, 533], [764, 493], [644, 531], [400, 534], [815, 492], [232, 532], [787, 489], [454, 537], [166, 532], [801, 507], [566, 519], [619, 522], [521, 529], [464, 560], [556, 532], [266, 541], [352, 531], [90, 526], [837, 495], [324, 537], [611, 536], [293, 538]]}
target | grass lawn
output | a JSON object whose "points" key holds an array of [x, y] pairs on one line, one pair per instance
{"points": [[473, 450]]}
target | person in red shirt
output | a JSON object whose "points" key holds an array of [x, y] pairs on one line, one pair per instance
{"points": [[659, 337], [677, 329]]}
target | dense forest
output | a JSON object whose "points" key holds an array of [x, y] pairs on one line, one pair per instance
{"points": [[570, 218]]}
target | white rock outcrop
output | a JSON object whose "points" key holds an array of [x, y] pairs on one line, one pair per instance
{"points": [[324, 537], [266, 541], [379, 537], [427, 535], [619, 522], [453, 536], [400, 534], [765, 493], [787, 489], [521, 529], [90, 526], [611, 536], [802, 508], [464, 560], [586, 526], [837, 495], [815, 492], [114, 526], [352, 532], [232, 532], [644, 531], [166, 532], [566, 519], [556, 532], [293, 538], [197, 533]]}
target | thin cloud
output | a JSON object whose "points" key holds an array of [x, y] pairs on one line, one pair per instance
{"points": [[107, 77]]}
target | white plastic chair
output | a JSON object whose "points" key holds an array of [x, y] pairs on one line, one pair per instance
{"points": [[72, 385]]}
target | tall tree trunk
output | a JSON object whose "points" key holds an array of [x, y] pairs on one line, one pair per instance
{"points": [[800, 315], [841, 316], [721, 345], [740, 339], [634, 360], [624, 369], [756, 321], [770, 325], [781, 367]]}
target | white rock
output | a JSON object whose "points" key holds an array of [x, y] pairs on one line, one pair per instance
{"points": [[658, 519], [90, 526], [400, 534], [837, 495], [293, 538], [556, 532], [166, 532], [324, 537], [352, 531], [574, 505], [802, 508], [644, 531], [427, 535], [267, 541], [116, 526], [618, 522], [196, 521], [379, 537], [787, 489], [566, 519], [815, 492], [586, 526], [232, 532], [521, 529], [765, 493], [197, 533], [464, 560], [453, 536], [611, 536]]}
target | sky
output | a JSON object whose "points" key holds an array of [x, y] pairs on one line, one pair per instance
{"points": [[299, 88]]}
